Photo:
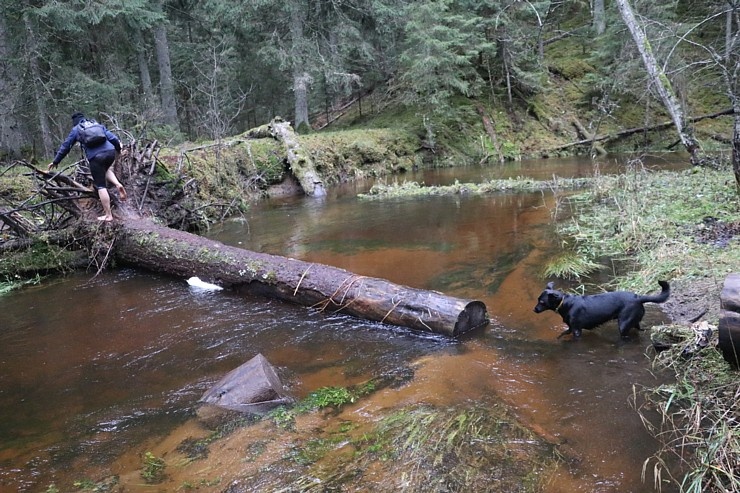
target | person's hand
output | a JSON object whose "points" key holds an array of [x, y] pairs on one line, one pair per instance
{"points": [[51, 166]]}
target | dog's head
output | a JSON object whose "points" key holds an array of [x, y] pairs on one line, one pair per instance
{"points": [[549, 299]]}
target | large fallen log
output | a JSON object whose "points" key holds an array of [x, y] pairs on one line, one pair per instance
{"points": [[142, 243]]}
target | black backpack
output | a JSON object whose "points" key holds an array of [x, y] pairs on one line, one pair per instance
{"points": [[91, 133]]}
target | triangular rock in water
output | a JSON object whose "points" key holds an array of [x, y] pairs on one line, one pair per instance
{"points": [[253, 387]]}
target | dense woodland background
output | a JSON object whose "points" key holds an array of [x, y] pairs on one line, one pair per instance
{"points": [[204, 69]]}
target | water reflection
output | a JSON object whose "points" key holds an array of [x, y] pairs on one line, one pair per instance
{"points": [[90, 366]]}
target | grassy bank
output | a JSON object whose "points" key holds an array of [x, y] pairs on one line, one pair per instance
{"points": [[678, 226], [694, 417]]}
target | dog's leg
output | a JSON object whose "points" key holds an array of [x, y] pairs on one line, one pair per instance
{"points": [[565, 332], [631, 320], [624, 329]]}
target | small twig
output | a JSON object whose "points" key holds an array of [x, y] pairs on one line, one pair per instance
{"points": [[301, 279], [395, 305], [103, 263]]}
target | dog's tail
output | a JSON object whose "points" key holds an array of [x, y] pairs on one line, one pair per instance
{"points": [[660, 297]]}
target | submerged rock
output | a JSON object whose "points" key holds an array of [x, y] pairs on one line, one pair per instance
{"points": [[253, 387]]}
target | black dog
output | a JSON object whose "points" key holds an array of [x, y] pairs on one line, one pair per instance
{"points": [[590, 311]]}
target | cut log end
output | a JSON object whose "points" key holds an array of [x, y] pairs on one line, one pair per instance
{"points": [[474, 315]]}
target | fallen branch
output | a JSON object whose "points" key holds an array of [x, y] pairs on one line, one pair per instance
{"points": [[631, 131]]}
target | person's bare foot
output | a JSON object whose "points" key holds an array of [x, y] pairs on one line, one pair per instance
{"points": [[121, 192], [105, 218]]}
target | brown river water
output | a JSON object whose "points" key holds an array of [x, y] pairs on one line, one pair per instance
{"points": [[92, 367]]}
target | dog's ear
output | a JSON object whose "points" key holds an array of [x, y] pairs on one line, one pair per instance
{"points": [[550, 285]]}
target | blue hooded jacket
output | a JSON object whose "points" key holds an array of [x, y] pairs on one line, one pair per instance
{"points": [[90, 152]]}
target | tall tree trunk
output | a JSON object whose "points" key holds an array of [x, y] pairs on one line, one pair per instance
{"points": [[144, 76], [37, 86], [730, 28], [300, 89], [166, 84], [505, 58], [660, 80], [301, 78], [12, 135], [599, 17], [732, 82], [736, 145]]}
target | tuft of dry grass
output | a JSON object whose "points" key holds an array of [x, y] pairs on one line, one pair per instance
{"points": [[696, 418]]}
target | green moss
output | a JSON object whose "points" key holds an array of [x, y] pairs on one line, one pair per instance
{"points": [[40, 257], [571, 67], [341, 156]]}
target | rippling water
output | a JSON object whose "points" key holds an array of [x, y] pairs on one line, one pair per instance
{"points": [[91, 366]]}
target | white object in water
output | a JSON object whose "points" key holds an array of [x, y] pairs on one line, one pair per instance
{"points": [[197, 283]]}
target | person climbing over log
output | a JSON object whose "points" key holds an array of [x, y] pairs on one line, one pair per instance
{"points": [[101, 147]]}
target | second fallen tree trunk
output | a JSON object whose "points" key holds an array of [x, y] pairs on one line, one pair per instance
{"points": [[142, 243], [301, 164]]}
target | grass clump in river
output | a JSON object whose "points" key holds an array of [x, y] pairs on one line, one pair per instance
{"points": [[411, 448], [425, 448], [325, 397], [152, 468], [460, 449], [414, 189]]}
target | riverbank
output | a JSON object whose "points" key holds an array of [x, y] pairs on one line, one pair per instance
{"points": [[684, 227]]}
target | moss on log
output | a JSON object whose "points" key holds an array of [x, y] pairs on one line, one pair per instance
{"points": [[299, 160]]}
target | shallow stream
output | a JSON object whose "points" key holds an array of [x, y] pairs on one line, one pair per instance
{"points": [[93, 366]]}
